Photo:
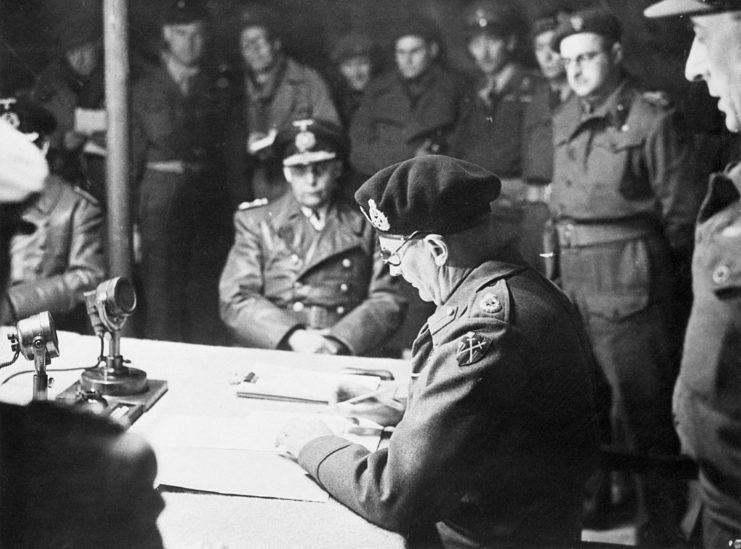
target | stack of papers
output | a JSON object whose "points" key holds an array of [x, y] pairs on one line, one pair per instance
{"points": [[279, 383]]}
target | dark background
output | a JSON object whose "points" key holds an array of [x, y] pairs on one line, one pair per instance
{"points": [[655, 50]]}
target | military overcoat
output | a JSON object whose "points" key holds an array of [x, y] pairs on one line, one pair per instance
{"points": [[282, 274]]}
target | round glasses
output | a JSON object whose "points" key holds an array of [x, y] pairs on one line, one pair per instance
{"points": [[393, 258]]}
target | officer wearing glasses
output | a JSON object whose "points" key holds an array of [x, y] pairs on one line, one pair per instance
{"points": [[494, 437], [304, 273], [624, 196]]}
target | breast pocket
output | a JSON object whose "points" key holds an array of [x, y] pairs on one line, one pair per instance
{"points": [[625, 150]]}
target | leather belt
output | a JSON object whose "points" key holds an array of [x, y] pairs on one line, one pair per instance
{"points": [[176, 166], [572, 234], [319, 317]]}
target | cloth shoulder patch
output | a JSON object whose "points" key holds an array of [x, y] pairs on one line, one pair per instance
{"points": [[492, 301], [253, 204], [471, 348]]}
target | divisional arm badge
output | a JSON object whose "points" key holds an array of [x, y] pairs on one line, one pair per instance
{"points": [[472, 348]]}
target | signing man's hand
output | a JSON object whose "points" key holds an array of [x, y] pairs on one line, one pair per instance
{"points": [[299, 432], [381, 406]]}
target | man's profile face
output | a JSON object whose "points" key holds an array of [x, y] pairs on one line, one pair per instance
{"points": [[416, 265], [414, 55], [258, 49], [490, 52], [590, 65], [314, 184], [187, 42], [715, 57], [84, 59], [356, 71], [548, 60]]}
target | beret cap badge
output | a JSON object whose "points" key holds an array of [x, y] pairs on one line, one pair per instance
{"points": [[377, 217], [305, 140]]}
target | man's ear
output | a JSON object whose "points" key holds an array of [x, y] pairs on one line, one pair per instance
{"points": [[434, 49], [617, 53], [437, 248], [167, 34]]}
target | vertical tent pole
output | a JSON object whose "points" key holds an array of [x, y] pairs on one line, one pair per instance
{"points": [[119, 235]]}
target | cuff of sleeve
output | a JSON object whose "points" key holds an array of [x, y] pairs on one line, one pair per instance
{"points": [[314, 453]]}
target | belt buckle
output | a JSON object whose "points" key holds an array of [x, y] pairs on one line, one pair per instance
{"points": [[568, 235]]}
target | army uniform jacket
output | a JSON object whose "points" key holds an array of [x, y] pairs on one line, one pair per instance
{"points": [[389, 126], [166, 125], [497, 437], [62, 257], [630, 158], [300, 93], [707, 396], [491, 136], [537, 140], [281, 271]]}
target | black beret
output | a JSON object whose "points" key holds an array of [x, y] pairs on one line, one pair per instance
{"points": [[79, 29], [260, 16], [184, 12], [311, 140], [420, 26], [593, 20], [431, 194], [669, 8], [353, 44], [27, 116], [498, 17]]}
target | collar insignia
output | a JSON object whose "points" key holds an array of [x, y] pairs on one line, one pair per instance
{"points": [[377, 217]]}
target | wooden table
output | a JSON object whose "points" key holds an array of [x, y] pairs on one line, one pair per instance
{"points": [[198, 377]]}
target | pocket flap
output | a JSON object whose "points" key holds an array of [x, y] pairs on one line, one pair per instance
{"points": [[616, 307]]}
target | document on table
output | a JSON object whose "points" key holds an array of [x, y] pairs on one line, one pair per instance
{"points": [[237, 455], [279, 383]]}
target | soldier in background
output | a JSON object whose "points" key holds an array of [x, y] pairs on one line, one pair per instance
{"points": [[624, 197], [178, 112], [410, 111], [355, 62], [707, 396], [70, 84], [304, 273], [537, 143], [490, 131], [275, 90]]}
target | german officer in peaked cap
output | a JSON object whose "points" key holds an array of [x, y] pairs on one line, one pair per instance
{"points": [[707, 395], [304, 273], [496, 437]]}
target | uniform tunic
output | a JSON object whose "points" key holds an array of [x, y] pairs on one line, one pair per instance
{"points": [[394, 120], [283, 274], [298, 92], [497, 438], [707, 397], [59, 254], [177, 141], [625, 195]]}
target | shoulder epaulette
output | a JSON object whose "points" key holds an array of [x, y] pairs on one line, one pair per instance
{"points": [[658, 98], [253, 204]]}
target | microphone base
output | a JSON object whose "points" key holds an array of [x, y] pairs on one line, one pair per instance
{"points": [[114, 382]]}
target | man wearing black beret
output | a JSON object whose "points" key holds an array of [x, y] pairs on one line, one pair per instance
{"points": [[496, 437], [304, 273], [707, 396]]}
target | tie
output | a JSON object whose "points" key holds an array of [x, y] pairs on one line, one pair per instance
{"points": [[316, 220]]}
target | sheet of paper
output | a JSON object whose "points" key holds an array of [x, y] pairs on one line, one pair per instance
{"points": [[280, 383], [237, 455], [88, 121]]}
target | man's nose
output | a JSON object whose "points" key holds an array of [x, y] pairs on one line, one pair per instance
{"points": [[695, 67]]}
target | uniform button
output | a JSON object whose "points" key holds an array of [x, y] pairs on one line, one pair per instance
{"points": [[298, 307], [344, 288], [721, 274], [624, 128], [296, 259], [346, 263], [449, 311], [340, 310]]}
